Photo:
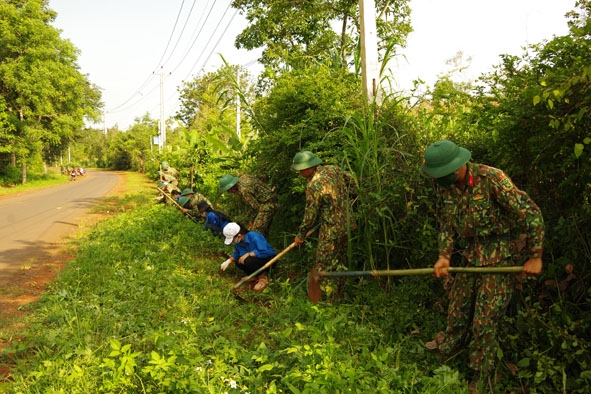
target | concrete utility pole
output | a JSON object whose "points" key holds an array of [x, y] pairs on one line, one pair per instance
{"points": [[369, 50], [238, 105], [162, 126]]}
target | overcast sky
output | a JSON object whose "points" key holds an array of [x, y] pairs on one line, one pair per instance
{"points": [[126, 45]]}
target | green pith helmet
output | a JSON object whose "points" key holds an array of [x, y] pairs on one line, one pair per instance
{"points": [[442, 158], [183, 201], [187, 191], [164, 165], [305, 159], [227, 181]]}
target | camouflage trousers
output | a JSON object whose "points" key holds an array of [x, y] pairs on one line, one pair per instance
{"points": [[477, 305], [263, 219], [331, 255]]}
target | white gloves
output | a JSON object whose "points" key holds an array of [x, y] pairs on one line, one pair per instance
{"points": [[225, 264]]}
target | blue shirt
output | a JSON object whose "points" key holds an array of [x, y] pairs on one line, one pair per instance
{"points": [[253, 242], [214, 222]]}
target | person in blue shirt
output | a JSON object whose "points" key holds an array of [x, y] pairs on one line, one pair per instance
{"points": [[251, 252], [215, 221]]}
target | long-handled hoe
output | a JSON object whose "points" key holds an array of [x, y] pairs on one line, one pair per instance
{"points": [[166, 195], [314, 291]]}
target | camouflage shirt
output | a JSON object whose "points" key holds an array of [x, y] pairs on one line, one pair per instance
{"points": [[173, 172], [489, 214], [254, 192], [327, 196], [196, 199]]}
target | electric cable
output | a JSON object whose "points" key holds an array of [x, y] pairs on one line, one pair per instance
{"points": [[149, 78], [181, 33]]}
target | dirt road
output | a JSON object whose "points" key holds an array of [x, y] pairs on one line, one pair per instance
{"points": [[33, 228]]}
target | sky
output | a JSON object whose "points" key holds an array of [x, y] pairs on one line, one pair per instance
{"points": [[135, 49]]}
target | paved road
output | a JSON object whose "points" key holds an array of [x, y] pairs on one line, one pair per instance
{"points": [[33, 223]]}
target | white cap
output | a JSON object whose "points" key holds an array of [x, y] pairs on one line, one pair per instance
{"points": [[230, 231]]}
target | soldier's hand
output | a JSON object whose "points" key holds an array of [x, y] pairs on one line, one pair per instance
{"points": [[441, 266], [298, 241], [532, 267]]}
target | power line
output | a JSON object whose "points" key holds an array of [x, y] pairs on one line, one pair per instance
{"points": [[181, 33], [172, 32], [143, 85], [210, 37], [195, 40], [199, 29]]}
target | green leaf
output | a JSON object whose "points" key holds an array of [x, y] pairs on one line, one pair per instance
{"points": [[266, 367], [536, 99], [579, 150], [115, 344], [523, 363]]}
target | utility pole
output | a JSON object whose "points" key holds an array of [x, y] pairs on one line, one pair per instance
{"points": [[369, 50], [238, 104], [162, 126]]}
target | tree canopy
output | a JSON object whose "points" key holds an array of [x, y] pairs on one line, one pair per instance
{"points": [[46, 97]]}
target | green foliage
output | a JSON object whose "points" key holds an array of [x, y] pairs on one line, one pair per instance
{"points": [[10, 175], [45, 97], [301, 34], [304, 109], [390, 208], [144, 307], [551, 346]]}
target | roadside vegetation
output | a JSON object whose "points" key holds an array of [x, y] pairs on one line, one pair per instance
{"points": [[34, 182], [143, 306]]}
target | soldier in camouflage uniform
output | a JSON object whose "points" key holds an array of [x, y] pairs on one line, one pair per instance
{"points": [[259, 197], [480, 206], [169, 174], [167, 189], [194, 199], [327, 199]]}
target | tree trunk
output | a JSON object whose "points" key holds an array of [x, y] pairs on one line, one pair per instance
{"points": [[24, 172], [344, 40], [13, 159]]}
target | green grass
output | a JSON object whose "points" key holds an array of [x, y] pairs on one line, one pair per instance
{"points": [[144, 308], [49, 180]]}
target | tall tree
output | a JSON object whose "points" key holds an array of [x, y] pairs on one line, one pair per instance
{"points": [[208, 104], [46, 96], [300, 33]]}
